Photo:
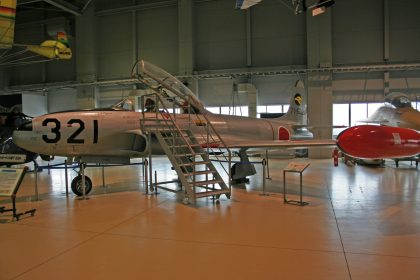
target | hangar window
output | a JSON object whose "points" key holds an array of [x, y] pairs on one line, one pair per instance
{"points": [[358, 111], [271, 109], [350, 114], [275, 109], [214, 110], [171, 110], [341, 116], [235, 111]]}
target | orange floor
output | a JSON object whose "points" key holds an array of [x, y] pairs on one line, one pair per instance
{"points": [[360, 223]]}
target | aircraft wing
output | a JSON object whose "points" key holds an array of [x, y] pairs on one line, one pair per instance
{"points": [[379, 121], [282, 144]]}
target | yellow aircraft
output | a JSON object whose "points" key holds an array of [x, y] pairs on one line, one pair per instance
{"points": [[51, 49]]}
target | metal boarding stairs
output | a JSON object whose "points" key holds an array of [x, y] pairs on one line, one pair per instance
{"points": [[187, 139]]}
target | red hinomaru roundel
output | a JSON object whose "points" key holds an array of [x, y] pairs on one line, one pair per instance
{"points": [[284, 134]]}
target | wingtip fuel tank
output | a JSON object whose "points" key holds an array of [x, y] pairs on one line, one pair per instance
{"points": [[373, 141]]}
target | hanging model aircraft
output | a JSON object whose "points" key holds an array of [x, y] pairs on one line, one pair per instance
{"points": [[18, 54]]}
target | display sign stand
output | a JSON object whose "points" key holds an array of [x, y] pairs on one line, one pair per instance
{"points": [[294, 167], [10, 180]]}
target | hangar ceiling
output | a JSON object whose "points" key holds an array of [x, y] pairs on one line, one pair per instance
{"points": [[209, 39]]}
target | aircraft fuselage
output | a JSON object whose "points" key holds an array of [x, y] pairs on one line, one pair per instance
{"points": [[118, 134]]}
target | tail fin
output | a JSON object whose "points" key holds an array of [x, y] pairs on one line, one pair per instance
{"points": [[297, 110], [7, 23], [62, 37]]}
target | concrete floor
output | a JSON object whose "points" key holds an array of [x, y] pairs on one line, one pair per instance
{"points": [[360, 223]]}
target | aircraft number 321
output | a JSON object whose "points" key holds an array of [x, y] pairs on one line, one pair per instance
{"points": [[73, 138]]}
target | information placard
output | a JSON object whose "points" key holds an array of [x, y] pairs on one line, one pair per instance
{"points": [[13, 158], [10, 179], [296, 166]]}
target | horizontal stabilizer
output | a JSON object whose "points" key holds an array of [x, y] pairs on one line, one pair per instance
{"points": [[379, 121]]}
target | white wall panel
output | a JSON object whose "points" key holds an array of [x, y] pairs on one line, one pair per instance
{"points": [[216, 92], [369, 87], [62, 100], [34, 105], [270, 90]]}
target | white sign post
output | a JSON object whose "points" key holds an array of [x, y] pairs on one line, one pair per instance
{"points": [[295, 167], [10, 179]]}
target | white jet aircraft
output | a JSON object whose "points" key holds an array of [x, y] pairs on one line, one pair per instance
{"points": [[397, 111], [114, 135]]}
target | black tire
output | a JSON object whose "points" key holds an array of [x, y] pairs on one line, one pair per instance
{"points": [[76, 185]]}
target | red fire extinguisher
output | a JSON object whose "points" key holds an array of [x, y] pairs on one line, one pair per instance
{"points": [[335, 157]]}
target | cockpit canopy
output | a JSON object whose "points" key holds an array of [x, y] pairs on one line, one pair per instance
{"points": [[123, 105], [398, 100]]}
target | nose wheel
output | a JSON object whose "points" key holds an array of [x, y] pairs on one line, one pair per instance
{"points": [[77, 186]]}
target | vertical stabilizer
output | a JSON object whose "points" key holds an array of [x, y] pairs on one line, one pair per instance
{"points": [[297, 110]]}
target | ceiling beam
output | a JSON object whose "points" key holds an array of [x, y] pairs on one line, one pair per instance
{"points": [[263, 72], [61, 4], [24, 2], [65, 6]]}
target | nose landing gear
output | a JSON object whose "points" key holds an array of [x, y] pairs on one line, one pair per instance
{"points": [[77, 185], [77, 182]]}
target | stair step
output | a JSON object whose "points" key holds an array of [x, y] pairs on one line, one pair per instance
{"points": [[188, 155], [211, 193], [204, 172], [185, 146], [176, 137], [205, 183], [194, 163]]}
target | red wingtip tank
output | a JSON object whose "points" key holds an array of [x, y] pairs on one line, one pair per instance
{"points": [[372, 142]]}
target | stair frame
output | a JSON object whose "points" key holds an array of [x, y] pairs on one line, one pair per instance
{"points": [[186, 146]]}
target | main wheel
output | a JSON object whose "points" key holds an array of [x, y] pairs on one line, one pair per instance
{"points": [[76, 185]]}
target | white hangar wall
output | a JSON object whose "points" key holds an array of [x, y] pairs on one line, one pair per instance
{"points": [[223, 40]]}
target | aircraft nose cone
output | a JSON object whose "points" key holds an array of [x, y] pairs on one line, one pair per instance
{"points": [[20, 135], [17, 138]]}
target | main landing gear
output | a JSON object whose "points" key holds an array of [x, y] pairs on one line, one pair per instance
{"points": [[77, 185], [242, 169]]}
